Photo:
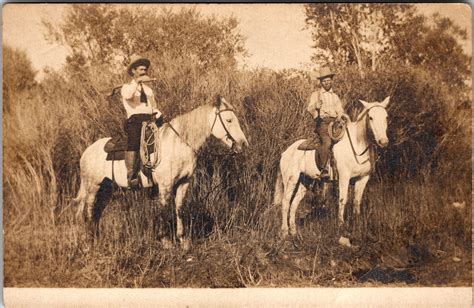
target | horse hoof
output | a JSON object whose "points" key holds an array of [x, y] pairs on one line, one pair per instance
{"points": [[283, 234], [185, 244], [166, 243], [293, 232], [344, 241]]}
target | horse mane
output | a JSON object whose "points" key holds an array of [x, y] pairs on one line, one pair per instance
{"points": [[193, 127]]}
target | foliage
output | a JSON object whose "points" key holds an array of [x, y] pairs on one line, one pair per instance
{"points": [[408, 221], [373, 35], [110, 34], [427, 124], [437, 48], [18, 75], [360, 34], [234, 232]]}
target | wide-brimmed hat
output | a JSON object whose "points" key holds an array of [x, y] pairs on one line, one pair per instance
{"points": [[137, 61], [325, 72]]}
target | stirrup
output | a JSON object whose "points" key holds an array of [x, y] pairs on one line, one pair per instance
{"points": [[324, 176], [133, 184]]}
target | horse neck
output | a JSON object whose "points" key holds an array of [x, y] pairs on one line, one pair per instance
{"points": [[193, 127], [361, 136]]}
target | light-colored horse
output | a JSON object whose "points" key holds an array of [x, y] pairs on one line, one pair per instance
{"points": [[351, 154], [180, 142]]}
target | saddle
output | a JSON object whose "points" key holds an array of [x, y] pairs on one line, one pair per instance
{"points": [[115, 148], [313, 144], [336, 132]]}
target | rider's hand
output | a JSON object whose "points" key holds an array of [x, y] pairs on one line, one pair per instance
{"points": [[343, 117], [143, 78], [157, 113]]}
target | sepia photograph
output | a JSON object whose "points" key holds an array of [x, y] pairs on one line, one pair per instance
{"points": [[196, 151]]}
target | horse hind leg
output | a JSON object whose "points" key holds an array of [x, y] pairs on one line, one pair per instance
{"points": [[90, 220], [80, 199], [298, 196], [289, 190]]}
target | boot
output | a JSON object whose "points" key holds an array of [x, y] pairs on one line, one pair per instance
{"points": [[324, 176], [132, 169]]}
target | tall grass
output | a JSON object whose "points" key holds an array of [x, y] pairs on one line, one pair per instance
{"points": [[408, 220]]}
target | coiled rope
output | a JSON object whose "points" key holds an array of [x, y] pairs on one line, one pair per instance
{"points": [[340, 126], [145, 143]]}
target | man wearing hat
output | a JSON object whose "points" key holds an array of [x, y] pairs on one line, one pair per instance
{"points": [[139, 102], [325, 107]]}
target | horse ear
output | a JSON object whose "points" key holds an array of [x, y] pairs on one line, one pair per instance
{"points": [[385, 102], [366, 104], [218, 101]]}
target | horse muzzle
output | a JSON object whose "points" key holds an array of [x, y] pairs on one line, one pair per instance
{"points": [[382, 142], [239, 146]]}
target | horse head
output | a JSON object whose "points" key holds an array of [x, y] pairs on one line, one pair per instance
{"points": [[225, 125], [377, 120]]}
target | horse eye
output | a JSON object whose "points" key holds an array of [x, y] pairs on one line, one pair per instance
{"points": [[229, 120], [370, 118]]}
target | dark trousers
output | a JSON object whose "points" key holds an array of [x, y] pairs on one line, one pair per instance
{"points": [[133, 130], [322, 130]]}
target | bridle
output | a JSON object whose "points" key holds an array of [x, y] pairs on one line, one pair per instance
{"points": [[217, 115], [227, 133], [359, 118]]}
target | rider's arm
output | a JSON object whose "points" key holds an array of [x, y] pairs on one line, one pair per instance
{"points": [[154, 107], [314, 105], [129, 89]]}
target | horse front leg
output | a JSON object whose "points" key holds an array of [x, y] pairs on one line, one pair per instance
{"points": [[359, 188], [164, 197], [180, 194], [343, 191]]}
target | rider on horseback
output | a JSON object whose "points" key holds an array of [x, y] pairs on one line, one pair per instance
{"points": [[325, 107], [139, 102]]}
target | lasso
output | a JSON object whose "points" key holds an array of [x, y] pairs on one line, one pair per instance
{"points": [[335, 138], [145, 143]]}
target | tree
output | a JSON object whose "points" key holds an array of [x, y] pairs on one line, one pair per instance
{"points": [[360, 34], [437, 48], [108, 34], [18, 74]]}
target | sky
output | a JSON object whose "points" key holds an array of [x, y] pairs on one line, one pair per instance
{"points": [[275, 34]]}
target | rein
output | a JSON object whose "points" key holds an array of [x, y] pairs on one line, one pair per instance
{"points": [[179, 136], [363, 114]]}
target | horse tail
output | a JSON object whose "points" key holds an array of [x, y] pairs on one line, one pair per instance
{"points": [[278, 196], [81, 194]]}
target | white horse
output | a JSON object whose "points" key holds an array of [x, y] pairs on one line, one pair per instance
{"points": [[351, 154], [180, 142]]}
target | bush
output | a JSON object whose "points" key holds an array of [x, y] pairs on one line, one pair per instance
{"points": [[427, 133]]}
